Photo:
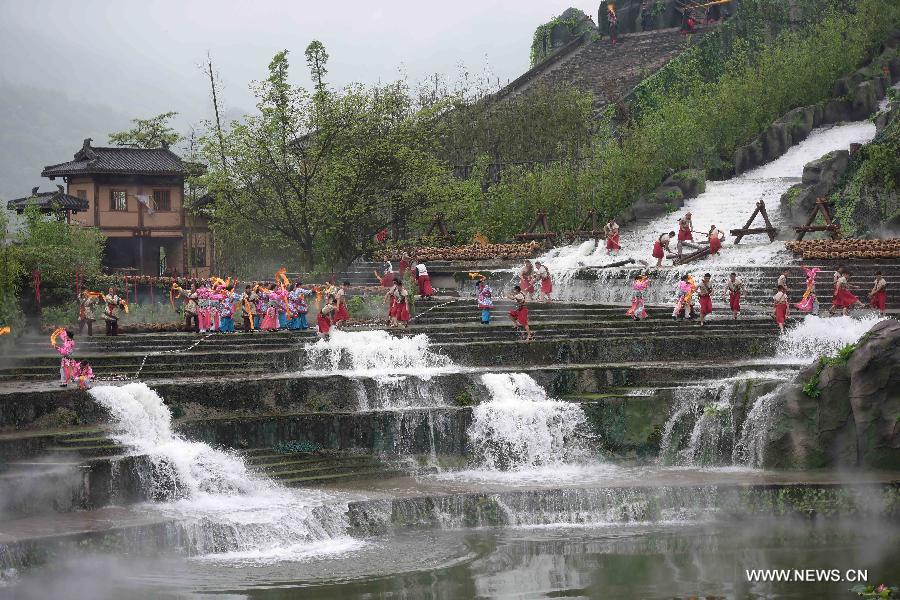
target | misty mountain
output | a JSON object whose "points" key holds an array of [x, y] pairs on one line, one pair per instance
{"points": [[45, 126]]}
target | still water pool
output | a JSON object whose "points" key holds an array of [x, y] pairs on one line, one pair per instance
{"points": [[619, 561]]}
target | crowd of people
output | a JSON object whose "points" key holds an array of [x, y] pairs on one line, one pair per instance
{"points": [[218, 305], [842, 298]]}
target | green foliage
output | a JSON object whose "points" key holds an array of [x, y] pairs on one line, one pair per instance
{"points": [[317, 175], [10, 272], [811, 387], [63, 315], [366, 307], [866, 196], [705, 105], [876, 591], [792, 194], [575, 23], [464, 398], [56, 249], [545, 124], [324, 173], [154, 132]]}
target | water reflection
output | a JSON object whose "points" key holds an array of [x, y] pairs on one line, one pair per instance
{"points": [[639, 561]]}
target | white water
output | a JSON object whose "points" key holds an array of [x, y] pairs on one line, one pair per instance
{"points": [[816, 336], [375, 354], [521, 428], [225, 511], [726, 204], [803, 343], [700, 430], [750, 449]]}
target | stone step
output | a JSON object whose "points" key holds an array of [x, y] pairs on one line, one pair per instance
{"points": [[95, 441], [277, 460], [323, 470], [86, 451], [329, 478]]}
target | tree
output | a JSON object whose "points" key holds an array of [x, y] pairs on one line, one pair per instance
{"points": [[148, 133], [56, 250], [324, 172], [316, 59]]}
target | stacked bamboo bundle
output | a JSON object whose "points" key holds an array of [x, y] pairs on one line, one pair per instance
{"points": [[466, 253], [846, 248]]}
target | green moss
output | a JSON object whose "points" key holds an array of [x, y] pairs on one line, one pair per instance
{"points": [[811, 387], [61, 417], [297, 447], [574, 21], [317, 403], [792, 194], [464, 398]]}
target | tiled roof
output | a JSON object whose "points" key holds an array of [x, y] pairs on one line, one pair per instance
{"points": [[49, 201], [127, 161]]}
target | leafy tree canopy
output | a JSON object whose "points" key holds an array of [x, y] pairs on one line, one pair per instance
{"points": [[148, 133], [325, 172]]}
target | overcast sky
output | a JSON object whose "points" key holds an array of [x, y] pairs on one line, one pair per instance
{"points": [[142, 56]]}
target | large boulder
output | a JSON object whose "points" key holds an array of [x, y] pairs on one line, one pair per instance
{"points": [[799, 122], [865, 100], [819, 179], [855, 419], [691, 182], [837, 111]]}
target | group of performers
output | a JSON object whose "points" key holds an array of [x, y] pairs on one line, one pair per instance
{"points": [[419, 273], [842, 298], [685, 235], [70, 370], [212, 306], [111, 303], [534, 277]]}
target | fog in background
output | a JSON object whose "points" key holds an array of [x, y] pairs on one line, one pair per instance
{"points": [[71, 70]]}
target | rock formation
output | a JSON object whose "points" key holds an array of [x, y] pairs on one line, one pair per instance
{"points": [[854, 421]]}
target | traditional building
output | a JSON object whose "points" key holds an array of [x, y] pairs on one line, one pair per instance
{"points": [[136, 197], [55, 202]]}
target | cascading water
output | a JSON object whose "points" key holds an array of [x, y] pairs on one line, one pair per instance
{"points": [[726, 204], [375, 354], [700, 429], [520, 427], [401, 367], [749, 450], [224, 511], [803, 343], [817, 336], [706, 418]]}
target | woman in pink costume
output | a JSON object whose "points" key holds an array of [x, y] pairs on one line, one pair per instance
{"points": [[809, 303], [85, 375], [270, 321], [637, 310], [64, 343]]}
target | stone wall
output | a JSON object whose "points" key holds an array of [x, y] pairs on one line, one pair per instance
{"points": [[607, 71]]}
